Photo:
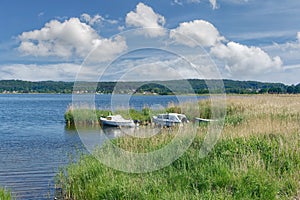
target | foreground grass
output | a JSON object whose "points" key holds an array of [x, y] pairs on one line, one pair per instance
{"points": [[257, 157], [5, 195]]}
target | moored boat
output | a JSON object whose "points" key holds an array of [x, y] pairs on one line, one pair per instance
{"points": [[169, 119], [116, 121]]}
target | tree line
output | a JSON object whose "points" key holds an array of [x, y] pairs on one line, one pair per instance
{"points": [[157, 87]]}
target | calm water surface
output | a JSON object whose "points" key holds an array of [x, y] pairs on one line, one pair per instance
{"points": [[34, 142]]}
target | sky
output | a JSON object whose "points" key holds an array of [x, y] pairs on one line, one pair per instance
{"points": [[143, 40]]}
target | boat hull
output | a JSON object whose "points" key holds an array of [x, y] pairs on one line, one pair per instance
{"points": [[116, 122], [162, 122], [168, 120]]}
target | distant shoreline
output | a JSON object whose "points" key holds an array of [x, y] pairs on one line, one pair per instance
{"points": [[190, 86]]}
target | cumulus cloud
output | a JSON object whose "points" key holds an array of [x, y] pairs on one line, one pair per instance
{"points": [[65, 39], [202, 32], [245, 61], [240, 60], [145, 17], [75, 37], [107, 49]]}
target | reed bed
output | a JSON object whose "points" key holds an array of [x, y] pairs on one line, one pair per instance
{"points": [[256, 157], [84, 116], [264, 114], [5, 195]]}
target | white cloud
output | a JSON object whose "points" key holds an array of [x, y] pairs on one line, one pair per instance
{"points": [[145, 17], [41, 14], [151, 68], [177, 2], [65, 39], [107, 49], [97, 19], [214, 4], [239, 60], [112, 21], [181, 2], [244, 61], [33, 72], [288, 51], [121, 28], [76, 37], [91, 20], [193, 1], [289, 75], [238, 1], [202, 32], [261, 35], [162, 66]]}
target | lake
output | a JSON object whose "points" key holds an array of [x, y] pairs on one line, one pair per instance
{"points": [[34, 142]]}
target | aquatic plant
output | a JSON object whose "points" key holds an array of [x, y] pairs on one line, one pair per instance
{"points": [[5, 195], [84, 116]]}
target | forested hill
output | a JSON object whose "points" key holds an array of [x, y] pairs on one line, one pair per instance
{"points": [[160, 87]]}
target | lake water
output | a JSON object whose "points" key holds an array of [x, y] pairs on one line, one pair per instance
{"points": [[34, 142]]}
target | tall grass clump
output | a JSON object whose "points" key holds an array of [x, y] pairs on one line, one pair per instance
{"points": [[84, 116], [5, 195]]}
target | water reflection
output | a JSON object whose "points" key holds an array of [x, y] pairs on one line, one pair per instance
{"points": [[93, 137]]}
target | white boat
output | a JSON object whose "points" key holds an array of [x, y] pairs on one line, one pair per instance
{"points": [[169, 119], [205, 120], [116, 121]]}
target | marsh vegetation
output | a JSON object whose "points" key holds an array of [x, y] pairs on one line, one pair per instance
{"points": [[256, 157], [5, 195]]}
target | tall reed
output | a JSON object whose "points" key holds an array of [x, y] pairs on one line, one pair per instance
{"points": [[5, 195]]}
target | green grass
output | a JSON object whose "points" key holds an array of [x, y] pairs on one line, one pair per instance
{"points": [[256, 157], [265, 167], [5, 195]]}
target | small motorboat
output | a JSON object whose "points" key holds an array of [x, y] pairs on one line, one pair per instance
{"points": [[170, 119], [116, 121]]}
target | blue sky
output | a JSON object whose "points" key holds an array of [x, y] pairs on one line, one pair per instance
{"points": [[247, 39]]}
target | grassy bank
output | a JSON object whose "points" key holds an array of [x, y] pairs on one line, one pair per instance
{"points": [[5, 195], [257, 157]]}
